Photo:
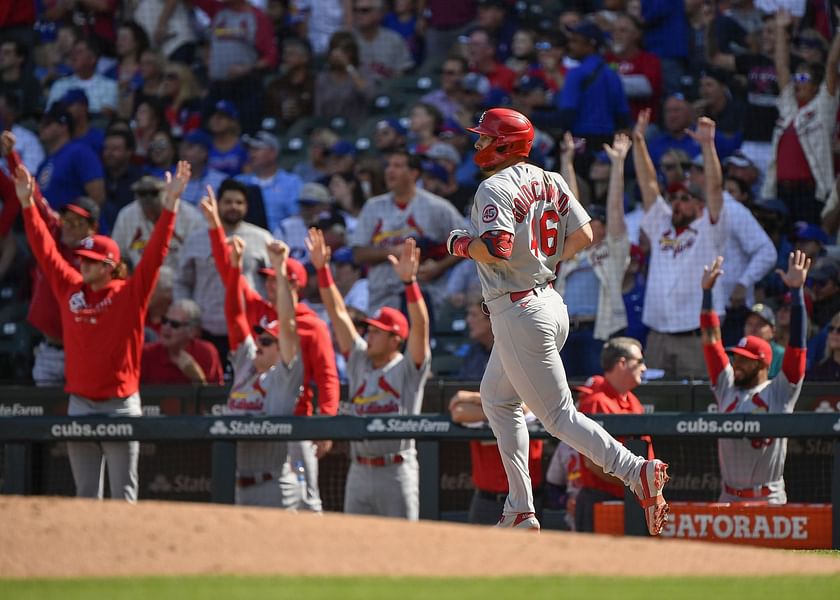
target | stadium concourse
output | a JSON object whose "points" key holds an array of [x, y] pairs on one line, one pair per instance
{"points": [[90, 539]]}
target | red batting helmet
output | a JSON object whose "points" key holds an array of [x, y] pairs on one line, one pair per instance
{"points": [[513, 135]]}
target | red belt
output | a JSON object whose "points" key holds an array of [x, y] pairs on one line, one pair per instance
{"points": [[756, 492], [250, 481], [517, 296], [379, 461]]}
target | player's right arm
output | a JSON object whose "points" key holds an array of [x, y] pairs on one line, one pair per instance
{"points": [[494, 242], [645, 171], [713, 350], [237, 323], [616, 227], [793, 363], [319, 254], [288, 340]]}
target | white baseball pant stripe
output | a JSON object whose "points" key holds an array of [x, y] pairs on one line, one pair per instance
{"points": [[525, 366], [88, 459]]}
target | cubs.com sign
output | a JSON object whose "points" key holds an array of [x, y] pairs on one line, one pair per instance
{"points": [[803, 526]]}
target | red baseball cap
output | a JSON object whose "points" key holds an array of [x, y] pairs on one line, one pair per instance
{"points": [[390, 320], [272, 328], [295, 272], [754, 348], [101, 248]]}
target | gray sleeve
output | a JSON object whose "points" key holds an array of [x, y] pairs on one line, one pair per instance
{"points": [[578, 217], [413, 378], [242, 360], [356, 363], [364, 227], [283, 384], [494, 208]]}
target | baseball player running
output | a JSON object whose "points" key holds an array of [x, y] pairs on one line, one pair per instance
{"points": [[384, 475], [752, 469], [267, 376], [524, 222]]}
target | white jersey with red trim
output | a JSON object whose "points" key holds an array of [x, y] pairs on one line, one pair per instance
{"points": [[539, 209], [394, 389], [750, 462]]}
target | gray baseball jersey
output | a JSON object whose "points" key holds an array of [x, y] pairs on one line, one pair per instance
{"points": [[395, 389], [273, 393], [749, 462], [382, 224], [538, 208]]}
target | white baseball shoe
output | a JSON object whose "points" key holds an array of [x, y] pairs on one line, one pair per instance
{"points": [[526, 520], [652, 478]]}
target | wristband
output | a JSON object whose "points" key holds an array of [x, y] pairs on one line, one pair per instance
{"points": [[412, 292], [707, 299], [797, 297], [325, 278], [461, 247], [709, 320]]}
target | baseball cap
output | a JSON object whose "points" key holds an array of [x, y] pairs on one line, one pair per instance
{"points": [[390, 320], [74, 95], [442, 151], [598, 212], [58, 114], [529, 83], [754, 348], [343, 148], [602, 157], [805, 232], [84, 207], [272, 328], [295, 272], [227, 108], [773, 205], [475, 82], [101, 248], [199, 137], [765, 312], [718, 75], [314, 193], [343, 256], [689, 188], [437, 171], [331, 220], [393, 124], [590, 31], [738, 159], [147, 183], [262, 139]]}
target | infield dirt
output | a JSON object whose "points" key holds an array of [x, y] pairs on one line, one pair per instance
{"points": [[64, 537]]}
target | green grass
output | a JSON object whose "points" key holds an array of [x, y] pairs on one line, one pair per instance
{"points": [[409, 588]]}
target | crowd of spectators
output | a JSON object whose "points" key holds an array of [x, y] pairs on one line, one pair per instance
{"points": [[350, 115]]}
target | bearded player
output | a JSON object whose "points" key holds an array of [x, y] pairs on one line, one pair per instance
{"points": [[524, 222]]}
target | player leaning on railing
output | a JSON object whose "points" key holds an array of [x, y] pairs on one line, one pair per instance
{"points": [[102, 315], [752, 468]]}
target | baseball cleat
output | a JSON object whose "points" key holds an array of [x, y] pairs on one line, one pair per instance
{"points": [[520, 521], [652, 478]]}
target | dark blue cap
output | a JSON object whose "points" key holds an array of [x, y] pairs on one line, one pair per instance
{"points": [[228, 108], [602, 157], [529, 83], [807, 232], [199, 137], [393, 124], [343, 256], [435, 170], [343, 148], [74, 95], [590, 31], [773, 205]]}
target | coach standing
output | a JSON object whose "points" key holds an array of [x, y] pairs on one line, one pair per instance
{"points": [[103, 310]]}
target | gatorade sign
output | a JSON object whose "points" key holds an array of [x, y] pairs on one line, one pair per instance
{"points": [[788, 526]]}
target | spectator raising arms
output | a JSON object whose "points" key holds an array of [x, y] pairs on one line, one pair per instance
{"points": [[102, 314]]}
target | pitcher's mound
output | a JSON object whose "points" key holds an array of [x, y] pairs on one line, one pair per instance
{"points": [[60, 537]]}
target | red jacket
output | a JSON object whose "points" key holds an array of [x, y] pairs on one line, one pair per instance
{"points": [[157, 368], [488, 473], [103, 330], [315, 343], [604, 399]]}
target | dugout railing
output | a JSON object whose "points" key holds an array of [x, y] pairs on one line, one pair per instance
{"points": [[678, 437]]}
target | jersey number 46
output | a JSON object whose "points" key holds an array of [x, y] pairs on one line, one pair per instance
{"points": [[545, 240]]}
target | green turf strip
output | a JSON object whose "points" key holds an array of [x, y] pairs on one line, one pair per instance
{"points": [[367, 588]]}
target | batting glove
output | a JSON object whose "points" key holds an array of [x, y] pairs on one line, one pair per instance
{"points": [[459, 242]]}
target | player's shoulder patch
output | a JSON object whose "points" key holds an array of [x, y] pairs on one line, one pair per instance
{"points": [[490, 213]]}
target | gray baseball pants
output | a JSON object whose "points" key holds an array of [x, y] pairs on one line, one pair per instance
{"points": [[525, 366], [297, 496], [388, 491], [88, 459]]}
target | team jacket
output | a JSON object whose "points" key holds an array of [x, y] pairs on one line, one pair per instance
{"points": [[315, 343], [103, 330]]}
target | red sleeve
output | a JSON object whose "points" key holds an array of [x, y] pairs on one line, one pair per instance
{"points": [[716, 360], [237, 324], [322, 356], [145, 276], [211, 7], [11, 204], [221, 252], [58, 272], [793, 364], [264, 41]]}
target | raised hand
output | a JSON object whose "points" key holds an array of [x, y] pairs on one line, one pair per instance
{"points": [[711, 273], [24, 186], [797, 273], [640, 128], [210, 208], [567, 148], [237, 251], [621, 146], [408, 263], [174, 186], [705, 132], [319, 252], [7, 143], [783, 19], [278, 252]]}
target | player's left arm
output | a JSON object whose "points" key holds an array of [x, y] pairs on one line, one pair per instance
{"points": [[288, 339], [406, 267], [494, 242], [711, 337], [793, 364]]}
